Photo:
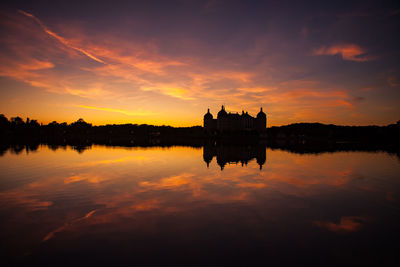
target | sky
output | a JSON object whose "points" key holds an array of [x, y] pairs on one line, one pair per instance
{"points": [[167, 62]]}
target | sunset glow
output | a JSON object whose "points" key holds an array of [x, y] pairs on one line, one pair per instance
{"points": [[165, 63]]}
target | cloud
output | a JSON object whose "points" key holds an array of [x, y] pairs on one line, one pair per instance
{"points": [[88, 92], [125, 112], [28, 71], [350, 52], [138, 64], [393, 81], [66, 61], [59, 38], [309, 93], [358, 99], [256, 89], [36, 65]]}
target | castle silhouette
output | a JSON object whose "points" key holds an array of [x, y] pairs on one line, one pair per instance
{"points": [[234, 121]]}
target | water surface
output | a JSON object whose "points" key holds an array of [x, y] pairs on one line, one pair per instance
{"points": [[184, 205]]}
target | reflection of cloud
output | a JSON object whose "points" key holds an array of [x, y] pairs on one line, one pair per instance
{"points": [[66, 225], [169, 182], [25, 200], [107, 161], [252, 185], [390, 196], [349, 52], [147, 205], [327, 177], [89, 177], [346, 224]]}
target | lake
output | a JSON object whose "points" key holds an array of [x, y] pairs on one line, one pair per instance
{"points": [[206, 205]]}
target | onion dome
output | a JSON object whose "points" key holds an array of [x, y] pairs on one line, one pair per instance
{"points": [[208, 115], [222, 113], [261, 114]]}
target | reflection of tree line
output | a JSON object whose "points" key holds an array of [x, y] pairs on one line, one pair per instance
{"points": [[225, 153]]}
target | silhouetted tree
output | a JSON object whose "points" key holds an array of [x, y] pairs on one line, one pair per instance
{"points": [[81, 123], [53, 124], [33, 124], [4, 124], [17, 121]]}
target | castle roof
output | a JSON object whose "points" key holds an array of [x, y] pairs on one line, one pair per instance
{"points": [[222, 112], [246, 115], [208, 115], [261, 114]]}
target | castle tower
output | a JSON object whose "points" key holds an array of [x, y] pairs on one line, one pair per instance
{"points": [[210, 124], [222, 119], [261, 120], [208, 117]]}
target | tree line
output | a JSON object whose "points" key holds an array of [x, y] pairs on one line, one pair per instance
{"points": [[81, 131], [29, 130]]}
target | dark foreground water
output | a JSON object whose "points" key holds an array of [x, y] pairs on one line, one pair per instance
{"points": [[142, 206]]}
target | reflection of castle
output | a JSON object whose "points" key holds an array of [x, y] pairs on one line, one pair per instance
{"points": [[234, 122], [227, 154]]}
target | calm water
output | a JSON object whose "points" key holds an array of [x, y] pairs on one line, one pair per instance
{"points": [[116, 205]]}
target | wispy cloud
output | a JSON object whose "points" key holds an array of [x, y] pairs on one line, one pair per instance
{"points": [[59, 38], [350, 52], [393, 81], [27, 71], [125, 112]]}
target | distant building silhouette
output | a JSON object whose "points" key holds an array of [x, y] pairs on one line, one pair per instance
{"points": [[234, 121]]}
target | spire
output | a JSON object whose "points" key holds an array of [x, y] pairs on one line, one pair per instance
{"points": [[208, 115], [222, 112], [261, 114]]}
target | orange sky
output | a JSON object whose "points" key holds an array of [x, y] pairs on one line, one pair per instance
{"points": [[58, 65]]}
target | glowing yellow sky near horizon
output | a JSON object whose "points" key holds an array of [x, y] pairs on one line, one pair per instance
{"points": [[62, 74]]}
